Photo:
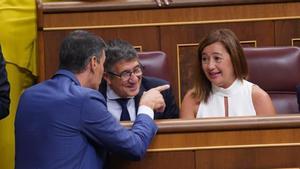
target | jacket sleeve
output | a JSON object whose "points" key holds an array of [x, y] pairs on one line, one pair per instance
{"points": [[4, 89], [101, 127]]}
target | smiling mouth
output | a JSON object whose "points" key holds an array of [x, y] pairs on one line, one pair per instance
{"points": [[214, 75], [133, 87]]}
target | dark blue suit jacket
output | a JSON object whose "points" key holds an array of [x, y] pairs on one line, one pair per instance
{"points": [[171, 110], [61, 125], [4, 89]]}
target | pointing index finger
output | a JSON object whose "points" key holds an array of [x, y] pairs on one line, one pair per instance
{"points": [[162, 88]]}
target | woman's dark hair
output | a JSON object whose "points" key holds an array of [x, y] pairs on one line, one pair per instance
{"points": [[202, 85]]}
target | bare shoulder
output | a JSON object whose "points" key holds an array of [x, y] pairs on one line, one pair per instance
{"points": [[258, 93], [262, 102], [189, 105]]}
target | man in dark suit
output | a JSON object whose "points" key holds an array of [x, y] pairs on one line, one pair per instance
{"points": [[63, 123], [124, 79], [4, 89]]}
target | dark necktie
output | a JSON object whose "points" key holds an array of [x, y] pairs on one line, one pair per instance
{"points": [[125, 114]]}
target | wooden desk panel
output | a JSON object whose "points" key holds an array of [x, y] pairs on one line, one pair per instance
{"points": [[232, 143], [158, 160], [197, 14], [249, 158], [224, 139]]}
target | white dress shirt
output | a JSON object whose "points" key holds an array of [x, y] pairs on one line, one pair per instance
{"points": [[115, 109]]}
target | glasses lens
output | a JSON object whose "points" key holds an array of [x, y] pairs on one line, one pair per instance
{"points": [[137, 71], [125, 75]]}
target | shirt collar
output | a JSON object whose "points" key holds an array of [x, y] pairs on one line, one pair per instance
{"points": [[69, 74]]}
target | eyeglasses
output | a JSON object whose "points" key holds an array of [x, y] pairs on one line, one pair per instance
{"points": [[125, 75]]}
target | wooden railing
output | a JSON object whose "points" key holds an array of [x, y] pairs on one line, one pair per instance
{"points": [[227, 143]]}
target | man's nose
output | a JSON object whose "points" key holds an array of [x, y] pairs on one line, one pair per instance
{"points": [[134, 78]]}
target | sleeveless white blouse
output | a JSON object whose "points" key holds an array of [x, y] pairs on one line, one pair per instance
{"points": [[239, 101]]}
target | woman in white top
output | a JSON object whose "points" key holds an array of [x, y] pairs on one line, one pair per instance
{"points": [[220, 88]]}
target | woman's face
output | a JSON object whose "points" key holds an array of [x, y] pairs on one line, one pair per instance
{"points": [[217, 65]]}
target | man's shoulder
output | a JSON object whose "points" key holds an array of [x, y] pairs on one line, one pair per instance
{"points": [[63, 89], [150, 82]]}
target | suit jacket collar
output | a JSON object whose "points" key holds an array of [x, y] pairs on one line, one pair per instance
{"points": [[103, 88], [67, 73]]}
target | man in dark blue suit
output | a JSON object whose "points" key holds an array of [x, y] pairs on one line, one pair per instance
{"points": [[4, 89], [124, 79], [63, 123]]}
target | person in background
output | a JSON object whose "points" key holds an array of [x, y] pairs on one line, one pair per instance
{"points": [[4, 89], [220, 88], [124, 83], [63, 122]]}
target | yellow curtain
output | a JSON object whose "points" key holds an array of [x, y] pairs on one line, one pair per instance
{"points": [[19, 79], [18, 42]]}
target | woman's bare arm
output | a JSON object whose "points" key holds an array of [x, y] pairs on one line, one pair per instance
{"points": [[189, 106], [262, 102]]}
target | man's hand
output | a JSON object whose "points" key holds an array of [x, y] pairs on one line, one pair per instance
{"points": [[161, 2], [153, 98]]}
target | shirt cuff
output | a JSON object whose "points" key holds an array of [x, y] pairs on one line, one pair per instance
{"points": [[146, 110]]}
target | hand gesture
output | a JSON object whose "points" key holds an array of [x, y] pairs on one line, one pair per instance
{"points": [[153, 98]]}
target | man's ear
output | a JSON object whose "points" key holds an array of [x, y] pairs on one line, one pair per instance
{"points": [[107, 78], [93, 63]]}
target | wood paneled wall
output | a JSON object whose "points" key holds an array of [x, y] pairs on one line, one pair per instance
{"points": [[174, 29], [234, 143]]}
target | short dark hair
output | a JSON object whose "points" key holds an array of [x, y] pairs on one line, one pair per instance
{"points": [[231, 43], [77, 49], [116, 51]]}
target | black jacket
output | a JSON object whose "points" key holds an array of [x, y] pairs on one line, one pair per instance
{"points": [[4, 89], [171, 110]]}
